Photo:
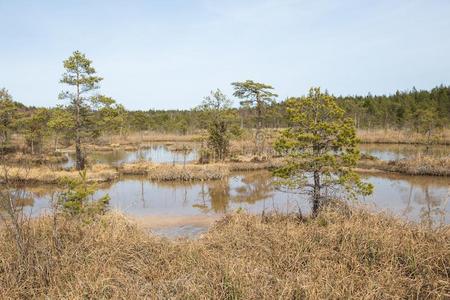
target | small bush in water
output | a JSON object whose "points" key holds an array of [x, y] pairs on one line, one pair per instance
{"points": [[78, 197]]}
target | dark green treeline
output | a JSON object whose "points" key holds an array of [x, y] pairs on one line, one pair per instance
{"points": [[412, 110]]}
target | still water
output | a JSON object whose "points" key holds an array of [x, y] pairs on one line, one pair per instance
{"points": [[401, 151], [174, 208], [161, 153], [179, 208], [158, 153]]}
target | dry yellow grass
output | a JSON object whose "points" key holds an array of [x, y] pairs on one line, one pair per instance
{"points": [[102, 148], [247, 146], [166, 172], [402, 137], [44, 174], [153, 171], [419, 165], [136, 138], [253, 163], [26, 159], [336, 256], [180, 147], [189, 172]]}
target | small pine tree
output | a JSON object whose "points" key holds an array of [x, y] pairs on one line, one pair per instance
{"points": [[61, 123], [35, 128], [77, 199], [320, 149], [111, 116], [218, 138], [216, 110], [80, 77], [8, 115]]}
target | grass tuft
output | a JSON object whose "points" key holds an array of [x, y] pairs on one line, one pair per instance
{"points": [[389, 136], [47, 175], [166, 172], [419, 165]]}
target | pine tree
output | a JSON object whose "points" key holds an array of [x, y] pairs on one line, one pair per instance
{"points": [[61, 122], [320, 149], [216, 110], [257, 95], [80, 75], [8, 115]]}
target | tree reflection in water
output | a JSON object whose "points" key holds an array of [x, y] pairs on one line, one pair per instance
{"points": [[255, 187], [415, 197], [219, 193], [432, 213], [422, 194], [248, 188]]}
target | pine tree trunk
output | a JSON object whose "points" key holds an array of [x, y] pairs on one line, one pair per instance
{"points": [[258, 125], [316, 194], [56, 143], [79, 156]]}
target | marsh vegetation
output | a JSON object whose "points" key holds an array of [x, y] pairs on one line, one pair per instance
{"points": [[342, 253], [78, 178]]}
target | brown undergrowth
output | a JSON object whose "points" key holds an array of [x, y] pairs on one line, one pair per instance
{"points": [[37, 159], [419, 165], [356, 255], [191, 172], [253, 163], [48, 175], [214, 171], [389, 136], [167, 172], [145, 137]]}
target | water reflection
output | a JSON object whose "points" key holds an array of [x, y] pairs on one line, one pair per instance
{"points": [[256, 187], [416, 198], [400, 151], [161, 153], [432, 207], [419, 198], [158, 153]]}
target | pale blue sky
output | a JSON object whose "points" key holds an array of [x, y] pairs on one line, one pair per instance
{"points": [[169, 54]]}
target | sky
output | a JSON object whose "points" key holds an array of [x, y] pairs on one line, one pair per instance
{"points": [[169, 54]]}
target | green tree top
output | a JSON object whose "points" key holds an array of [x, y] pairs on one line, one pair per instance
{"points": [[61, 123], [81, 76], [60, 120], [111, 115], [216, 111], [8, 113], [257, 95], [34, 127], [253, 92], [80, 73], [216, 105]]}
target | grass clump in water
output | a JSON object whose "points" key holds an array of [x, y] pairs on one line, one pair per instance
{"points": [[441, 137], [166, 172], [419, 165], [45, 174]]}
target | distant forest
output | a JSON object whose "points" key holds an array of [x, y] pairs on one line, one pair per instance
{"points": [[412, 110]]}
